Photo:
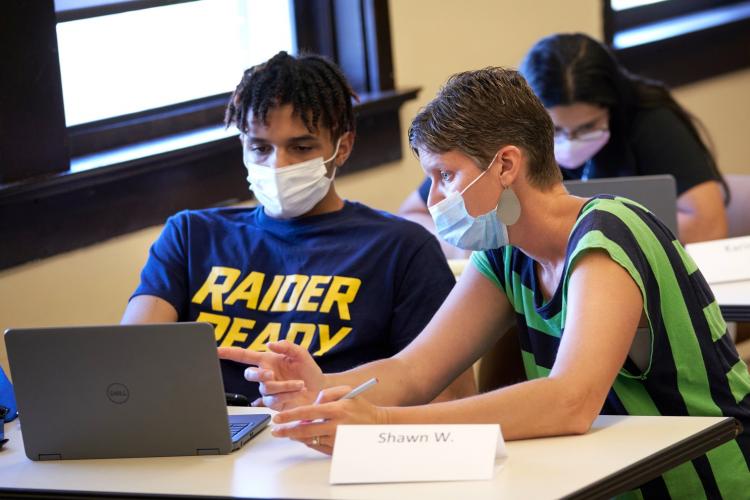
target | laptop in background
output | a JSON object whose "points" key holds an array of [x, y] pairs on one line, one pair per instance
{"points": [[123, 391], [658, 193]]}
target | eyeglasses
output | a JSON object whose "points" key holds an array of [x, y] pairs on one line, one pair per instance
{"points": [[589, 135], [590, 131]]}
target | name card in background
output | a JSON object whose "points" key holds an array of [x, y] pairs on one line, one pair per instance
{"points": [[410, 453], [722, 261]]}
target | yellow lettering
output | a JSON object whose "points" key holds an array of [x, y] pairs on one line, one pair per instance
{"points": [[294, 281], [269, 334], [235, 333], [312, 290], [248, 290], [210, 286], [220, 323], [271, 293], [327, 342], [306, 329], [342, 298]]}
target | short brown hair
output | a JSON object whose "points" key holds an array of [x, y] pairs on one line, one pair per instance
{"points": [[478, 112]]}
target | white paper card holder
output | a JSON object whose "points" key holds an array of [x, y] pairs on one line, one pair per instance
{"points": [[415, 453], [722, 261]]}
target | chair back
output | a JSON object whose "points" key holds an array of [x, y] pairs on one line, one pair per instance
{"points": [[738, 211]]}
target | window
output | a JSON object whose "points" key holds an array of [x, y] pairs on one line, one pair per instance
{"points": [[152, 58], [172, 67], [679, 41], [126, 163], [619, 5]]}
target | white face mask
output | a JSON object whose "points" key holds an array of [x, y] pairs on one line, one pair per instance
{"points": [[572, 153], [293, 190]]}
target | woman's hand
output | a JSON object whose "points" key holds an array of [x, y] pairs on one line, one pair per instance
{"points": [[315, 425], [287, 374]]}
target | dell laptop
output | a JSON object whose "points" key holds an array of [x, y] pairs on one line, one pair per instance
{"points": [[658, 193], [123, 391]]}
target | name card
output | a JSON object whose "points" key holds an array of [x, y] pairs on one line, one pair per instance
{"points": [[408, 453], [722, 261]]}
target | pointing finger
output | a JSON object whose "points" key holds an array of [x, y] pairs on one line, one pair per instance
{"points": [[240, 355]]}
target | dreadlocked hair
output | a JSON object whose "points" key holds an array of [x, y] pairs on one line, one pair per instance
{"points": [[315, 87]]}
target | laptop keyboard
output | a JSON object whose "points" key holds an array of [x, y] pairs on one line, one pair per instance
{"points": [[234, 428]]}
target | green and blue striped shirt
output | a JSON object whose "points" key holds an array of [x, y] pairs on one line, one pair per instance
{"points": [[691, 365]]}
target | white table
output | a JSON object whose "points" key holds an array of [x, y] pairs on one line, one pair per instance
{"points": [[617, 454]]}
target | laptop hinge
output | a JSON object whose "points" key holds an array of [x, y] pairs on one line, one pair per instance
{"points": [[50, 456], [208, 451]]}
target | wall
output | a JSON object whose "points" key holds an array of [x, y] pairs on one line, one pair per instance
{"points": [[431, 40], [723, 105]]}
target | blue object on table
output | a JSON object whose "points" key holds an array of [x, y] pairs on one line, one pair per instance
{"points": [[7, 397]]}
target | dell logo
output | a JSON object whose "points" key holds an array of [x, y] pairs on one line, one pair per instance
{"points": [[118, 393]]}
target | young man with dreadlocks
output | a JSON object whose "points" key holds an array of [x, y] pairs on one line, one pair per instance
{"points": [[348, 283]]}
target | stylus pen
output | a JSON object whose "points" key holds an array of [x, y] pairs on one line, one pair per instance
{"points": [[360, 388], [349, 395]]}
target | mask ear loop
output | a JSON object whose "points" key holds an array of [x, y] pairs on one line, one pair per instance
{"points": [[479, 177], [335, 154]]}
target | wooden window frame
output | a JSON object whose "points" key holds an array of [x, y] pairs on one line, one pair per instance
{"points": [[46, 208], [685, 58]]}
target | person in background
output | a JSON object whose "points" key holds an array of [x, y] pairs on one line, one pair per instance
{"points": [[347, 283], [611, 123], [614, 317]]}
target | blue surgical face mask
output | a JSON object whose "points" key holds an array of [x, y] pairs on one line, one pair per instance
{"points": [[456, 226]]}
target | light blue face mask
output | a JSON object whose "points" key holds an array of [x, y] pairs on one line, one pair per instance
{"points": [[456, 226]]}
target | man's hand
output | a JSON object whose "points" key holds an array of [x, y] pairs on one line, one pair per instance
{"points": [[287, 374]]}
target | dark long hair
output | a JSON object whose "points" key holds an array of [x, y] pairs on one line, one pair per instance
{"points": [[563, 69]]}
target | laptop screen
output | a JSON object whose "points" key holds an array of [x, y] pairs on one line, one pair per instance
{"points": [[119, 391], [658, 193]]}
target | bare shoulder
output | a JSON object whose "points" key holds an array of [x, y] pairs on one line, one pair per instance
{"points": [[597, 278]]}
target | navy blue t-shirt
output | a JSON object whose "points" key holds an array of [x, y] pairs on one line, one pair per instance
{"points": [[352, 286], [424, 189]]}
